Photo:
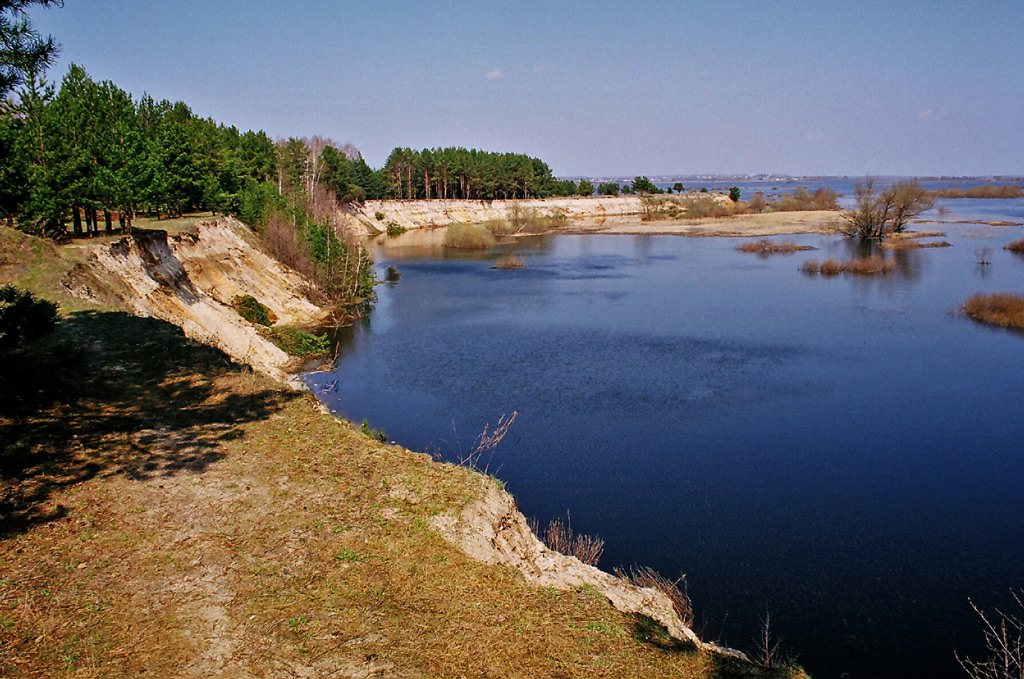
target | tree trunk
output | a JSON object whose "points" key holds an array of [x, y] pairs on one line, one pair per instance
{"points": [[107, 221], [76, 217]]}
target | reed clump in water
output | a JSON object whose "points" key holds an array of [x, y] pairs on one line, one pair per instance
{"points": [[1016, 246], [1004, 309], [766, 246], [866, 266]]}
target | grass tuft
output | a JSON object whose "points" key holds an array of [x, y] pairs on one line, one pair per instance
{"points": [[561, 538], [643, 576]]}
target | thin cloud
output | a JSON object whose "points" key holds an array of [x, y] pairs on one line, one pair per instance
{"points": [[495, 74], [932, 114], [538, 69]]}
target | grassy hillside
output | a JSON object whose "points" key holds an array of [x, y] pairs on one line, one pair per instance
{"points": [[163, 510]]}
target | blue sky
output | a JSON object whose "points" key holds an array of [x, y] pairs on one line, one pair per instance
{"points": [[594, 88]]}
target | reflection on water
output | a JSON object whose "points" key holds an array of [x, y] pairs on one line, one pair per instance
{"points": [[843, 452]]}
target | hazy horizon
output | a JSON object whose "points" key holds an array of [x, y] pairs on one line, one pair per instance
{"points": [[795, 88]]}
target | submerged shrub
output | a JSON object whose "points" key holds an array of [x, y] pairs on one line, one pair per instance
{"points": [[468, 237], [250, 308], [1002, 308], [510, 262]]}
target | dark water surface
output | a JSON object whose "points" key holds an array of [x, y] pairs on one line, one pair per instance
{"points": [[845, 453]]}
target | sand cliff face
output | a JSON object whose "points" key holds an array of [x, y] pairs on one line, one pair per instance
{"points": [[416, 214], [189, 279]]}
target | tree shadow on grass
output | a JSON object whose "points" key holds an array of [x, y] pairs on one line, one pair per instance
{"points": [[108, 393]]}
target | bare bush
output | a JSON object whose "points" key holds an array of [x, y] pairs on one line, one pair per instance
{"points": [[878, 215], [643, 576], [561, 538], [1004, 640], [1016, 246], [487, 441]]}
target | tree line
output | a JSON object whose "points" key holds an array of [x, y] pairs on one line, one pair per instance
{"points": [[471, 174]]}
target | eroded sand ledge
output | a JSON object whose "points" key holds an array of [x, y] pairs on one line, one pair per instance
{"points": [[591, 214]]}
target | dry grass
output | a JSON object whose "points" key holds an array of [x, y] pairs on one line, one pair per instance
{"points": [[560, 537], [642, 576], [468, 237], [766, 246], [867, 266], [1016, 246], [510, 261], [1003, 309]]}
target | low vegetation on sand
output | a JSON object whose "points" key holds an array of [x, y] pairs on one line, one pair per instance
{"points": [[469, 237], [866, 266], [690, 206], [295, 341], [252, 310], [1016, 246], [1002, 308], [767, 246], [983, 191], [798, 200]]}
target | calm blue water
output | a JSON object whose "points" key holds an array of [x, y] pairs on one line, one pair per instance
{"points": [[845, 453]]}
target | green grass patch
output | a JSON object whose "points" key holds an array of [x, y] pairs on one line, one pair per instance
{"points": [[296, 342], [250, 308]]}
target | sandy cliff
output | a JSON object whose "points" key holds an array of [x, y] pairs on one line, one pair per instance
{"points": [[189, 279]]}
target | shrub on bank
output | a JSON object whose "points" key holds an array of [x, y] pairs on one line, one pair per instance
{"points": [[252, 310], [469, 237], [296, 342]]}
